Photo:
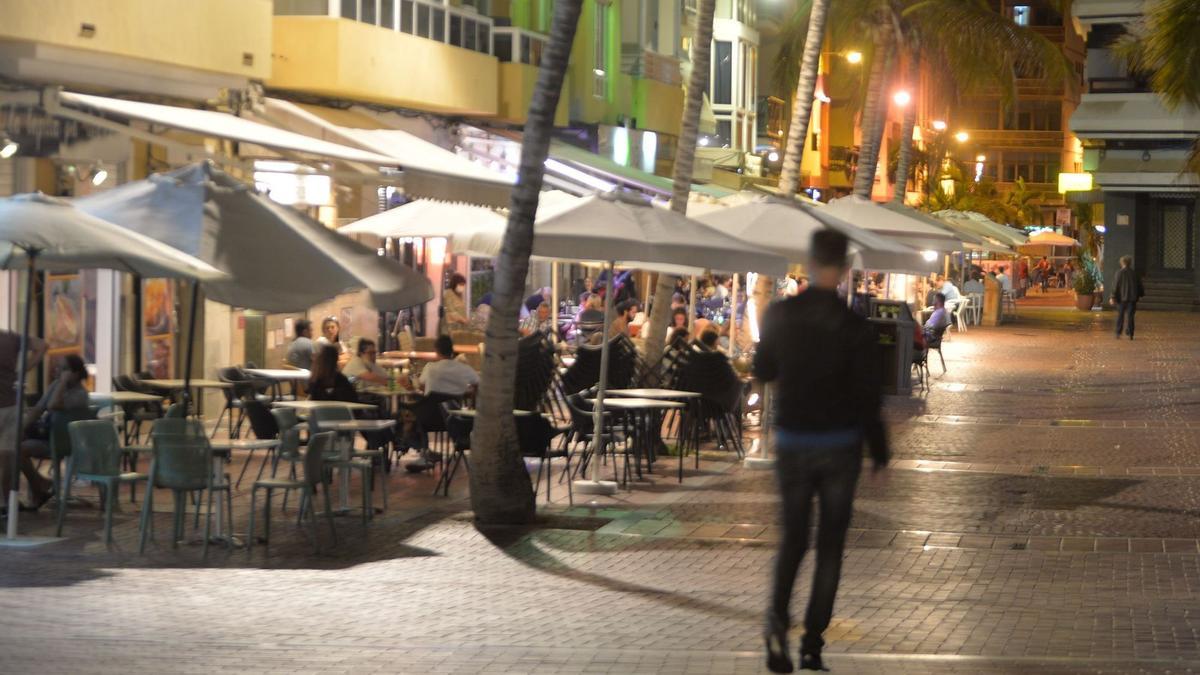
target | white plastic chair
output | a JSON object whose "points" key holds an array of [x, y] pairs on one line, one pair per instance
{"points": [[961, 311]]}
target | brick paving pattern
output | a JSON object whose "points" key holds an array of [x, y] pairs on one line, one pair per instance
{"points": [[1020, 530]]}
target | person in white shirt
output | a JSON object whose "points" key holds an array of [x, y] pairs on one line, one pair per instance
{"points": [[446, 375], [362, 367], [974, 286], [1005, 281]]}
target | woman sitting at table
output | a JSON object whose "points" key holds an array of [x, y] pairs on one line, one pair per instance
{"points": [[65, 395], [328, 383], [331, 334], [363, 368]]}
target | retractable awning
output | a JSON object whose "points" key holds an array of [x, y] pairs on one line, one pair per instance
{"points": [[209, 123], [430, 171]]}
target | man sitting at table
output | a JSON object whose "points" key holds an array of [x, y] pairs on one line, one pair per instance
{"points": [[940, 318], [538, 322], [362, 367], [445, 375], [300, 352], [626, 312]]}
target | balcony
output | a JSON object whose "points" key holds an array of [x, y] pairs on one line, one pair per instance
{"points": [[360, 61], [650, 65], [178, 48], [520, 54], [1107, 11], [1133, 115]]}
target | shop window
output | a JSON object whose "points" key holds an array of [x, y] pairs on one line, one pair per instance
{"points": [[1021, 14], [724, 133], [722, 73]]}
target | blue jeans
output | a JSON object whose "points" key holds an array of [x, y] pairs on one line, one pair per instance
{"points": [[825, 466], [1125, 309]]}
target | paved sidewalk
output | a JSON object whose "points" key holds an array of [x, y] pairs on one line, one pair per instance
{"points": [[996, 544]]}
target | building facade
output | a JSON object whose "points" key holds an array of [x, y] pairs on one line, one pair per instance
{"points": [[1136, 148]]}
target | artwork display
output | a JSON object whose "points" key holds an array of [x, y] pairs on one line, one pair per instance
{"points": [[158, 328]]}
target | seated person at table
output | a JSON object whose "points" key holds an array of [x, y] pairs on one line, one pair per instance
{"points": [[328, 383], [590, 319], [362, 367], [678, 338], [66, 394], [974, 286], [300, 352], [446, 375], [538, 322], [331, 334], [940, 318], [709, 340], [626, 312]]}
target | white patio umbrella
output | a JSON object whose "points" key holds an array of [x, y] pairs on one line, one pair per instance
{"points": [[278, 259], [619, 228], [787, 229], [425, 218], [40, 232], [984, 226], [904, 224]]}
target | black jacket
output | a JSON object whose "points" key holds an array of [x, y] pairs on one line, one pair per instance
{"points": [[1127, 287], [825, 362]]}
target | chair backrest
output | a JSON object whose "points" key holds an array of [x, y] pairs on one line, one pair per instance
{"points": [[458, 428], [330, 414], [534, 372], [261, 421], [176, 411], [96, 450], [711, 375], [182, 456], [285, 418], [320, 446], [60, 436], [534, 433], [585, 372], [935, 338], [289, 443]]}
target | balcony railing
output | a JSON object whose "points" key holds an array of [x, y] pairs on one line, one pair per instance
{"points": [[516, 45], [430, 19]]}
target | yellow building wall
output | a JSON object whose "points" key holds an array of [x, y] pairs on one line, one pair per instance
{"points": [[517, 82], [347, 59], [659, 106], [210, 35]]}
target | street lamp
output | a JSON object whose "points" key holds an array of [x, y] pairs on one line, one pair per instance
{"points": [[939, 125], [855, 57], [8, 148], [962, 137], [902, 98]]}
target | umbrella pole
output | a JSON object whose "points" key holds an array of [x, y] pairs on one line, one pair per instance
{"points": [[554, 299], [733, 307], [191, 345], [692, 305], [14, 489], [595, 485]]}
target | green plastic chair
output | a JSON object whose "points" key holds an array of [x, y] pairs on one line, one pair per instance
{"points": [[319, 447], [96, 457], [183, 463], [345, 446], [60, 440]]}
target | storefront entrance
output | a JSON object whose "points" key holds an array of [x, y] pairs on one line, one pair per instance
{"points": [[1172, 244]]}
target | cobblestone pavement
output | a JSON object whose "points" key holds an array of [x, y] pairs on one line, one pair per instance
{"points": [[1020, 531]]}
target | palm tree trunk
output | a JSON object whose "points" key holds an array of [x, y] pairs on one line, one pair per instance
{"points": [[906, 132], [685, 161], [500, 487], [802, 105], [874, 115]]}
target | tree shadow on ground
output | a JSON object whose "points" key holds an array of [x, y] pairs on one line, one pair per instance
{"points": [[522, 545]]}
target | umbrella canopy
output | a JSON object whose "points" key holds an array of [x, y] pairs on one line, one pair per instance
{"points": [[1048, 238], [278, 259], [66, 238], [906, 225], [434, 218], [787, 229], [632, 233], [979, 224]]}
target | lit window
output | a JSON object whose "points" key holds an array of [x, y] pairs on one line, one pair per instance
{"points": [[600, 53], [1021, 15]]}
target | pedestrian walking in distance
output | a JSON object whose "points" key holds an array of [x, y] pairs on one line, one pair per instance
{"points": [[824, 363], [1126, 291]]}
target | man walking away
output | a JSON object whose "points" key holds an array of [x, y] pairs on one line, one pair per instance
{"points": [[823, 360], [1127, 290]]}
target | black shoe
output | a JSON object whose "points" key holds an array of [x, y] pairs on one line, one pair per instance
{"points": [[777, 647], [811, 661]]}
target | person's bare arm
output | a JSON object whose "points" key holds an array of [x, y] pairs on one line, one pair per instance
{"points": [[37, 351]]}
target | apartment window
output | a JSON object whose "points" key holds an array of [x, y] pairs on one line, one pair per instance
{"points": [[387, 14], [485, 38], [1035, 116], [350, 9], [424, 15], [600, 53], [456, 29], [503, 47], [439, 24], [722, 78], [366, 12], [1021, 14], [406, 16], [1032, 167], [469, 29]]}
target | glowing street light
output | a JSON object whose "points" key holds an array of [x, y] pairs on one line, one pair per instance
{"points": [[962, 137], [980, 158], [902, 98], [939, 125], [9, 148], [854, 57]]}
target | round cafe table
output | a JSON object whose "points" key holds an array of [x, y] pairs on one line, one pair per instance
{"points": [[641, 412], [655, 429]]}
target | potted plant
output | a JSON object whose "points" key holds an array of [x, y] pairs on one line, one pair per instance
{"points": [[1086, 283]]}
